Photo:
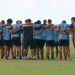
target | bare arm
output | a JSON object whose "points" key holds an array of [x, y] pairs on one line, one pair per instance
{"points": [[24, 25], [73, 33], [55, 29], [17, 31], [6, 25], [13, 29], [48, 26], [62, 32], [1, 31], [39, 32], [58, 30], [69, 29]]}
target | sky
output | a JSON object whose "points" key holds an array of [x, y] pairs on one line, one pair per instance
{"points": [[56, 10]]}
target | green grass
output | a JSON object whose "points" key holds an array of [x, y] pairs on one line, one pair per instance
{"points": [[29, 67]]}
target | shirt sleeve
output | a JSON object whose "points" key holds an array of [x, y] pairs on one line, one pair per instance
{"points": [[52, 27], [58, 25], [74, 25], [68, 25]]}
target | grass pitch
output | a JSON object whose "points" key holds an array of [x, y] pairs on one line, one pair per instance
{"points": [[34, 67]]}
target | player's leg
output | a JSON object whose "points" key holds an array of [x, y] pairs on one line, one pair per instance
{"points": [[14, 43], [6, 48], [36, 42], [52, 52], [66, 44], [8, 52], [19, 47], [60, 52], [25, 46], [60, 49], [41, 53], [41, 45], [22, 52], [64, 51], [56, 51], [11, 48], [48, 48], [17, 53], [52, 48], [56, 46], [32, 49], [1, 52], [14, 52], [68, 52], [1, 47], [6, 42]]}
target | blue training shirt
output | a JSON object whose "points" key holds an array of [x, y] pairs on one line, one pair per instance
{"points": [[1, 33], [49, 33], [68, 32], [44, 34], [55, 36], [19, 27], [40, 36], [63, 36], [7, 34]]}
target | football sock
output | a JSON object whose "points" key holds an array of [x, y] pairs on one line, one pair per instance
{"points": [[1, 57], [69, 56], [52, 57], [60, 57], [65, 57], [22, 55], [47, 57]]}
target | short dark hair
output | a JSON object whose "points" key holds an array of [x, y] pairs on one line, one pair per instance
{"points": [[38, 21], [9, 21], [26, 20], [73, 18], [64, 21], [20, 21], [49, 20], [2, 21], [45, 20], [35, 22], [17, 21], [29, 20]]}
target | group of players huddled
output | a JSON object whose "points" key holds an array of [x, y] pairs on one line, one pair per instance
{"points": [[35, 36]]}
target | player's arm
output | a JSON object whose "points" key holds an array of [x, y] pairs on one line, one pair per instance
{"points": [[55, 29], [13, 29], [1, 31], [38, 28], [27, 25], [6, 25], [17, 31], [69, 29], [39, 32], [48, 26], [73, 33], [63, 32]]}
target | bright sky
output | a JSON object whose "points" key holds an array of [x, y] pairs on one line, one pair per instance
{"points": [[57, 10]]}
